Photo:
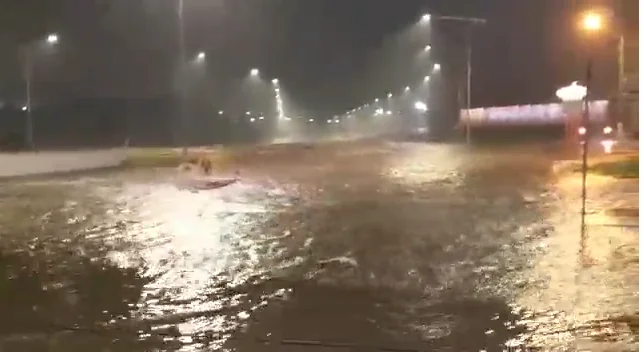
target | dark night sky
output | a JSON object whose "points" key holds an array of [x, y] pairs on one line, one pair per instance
{"points": [[323, 51]]}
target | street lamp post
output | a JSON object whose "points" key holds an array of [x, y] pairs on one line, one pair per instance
{"points": [[182, 84], [471, 21], [51, 39]]}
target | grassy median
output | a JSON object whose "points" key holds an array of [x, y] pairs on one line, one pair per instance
{"points": [[221, 159], [619, 167]]}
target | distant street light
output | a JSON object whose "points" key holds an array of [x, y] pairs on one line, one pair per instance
{"points": [[51, 39], [200, 56], [376, 100], [389, 95], [426, 18], [421, 106], [248, 113], [275, 81], [427, 48], [252, 119], [427, 79], [592, 22], [436, 67], [254, 72], [220, 112], [407, 88]]}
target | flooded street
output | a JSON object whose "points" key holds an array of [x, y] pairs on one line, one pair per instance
{"points": [[345, 247]]}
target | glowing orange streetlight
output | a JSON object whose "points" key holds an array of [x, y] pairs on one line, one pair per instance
{"points": [[592, 22]]}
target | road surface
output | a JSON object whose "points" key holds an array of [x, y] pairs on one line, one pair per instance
{"points": [[343, 247]]}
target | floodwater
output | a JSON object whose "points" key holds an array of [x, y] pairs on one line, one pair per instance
{"points": [[345, 247]]}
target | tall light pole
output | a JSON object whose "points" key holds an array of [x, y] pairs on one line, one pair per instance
{"points": [[591, 23], [182, 84], [471, 22], [51, 39]]}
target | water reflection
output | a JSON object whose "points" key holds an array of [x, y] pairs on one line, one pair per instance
{"points": [[391, 246]]}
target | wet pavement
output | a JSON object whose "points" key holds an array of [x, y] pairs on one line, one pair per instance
{"points": [[343, 247]]}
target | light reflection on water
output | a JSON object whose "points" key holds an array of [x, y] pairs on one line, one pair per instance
{"points": [[197, 247], [424, 244]]}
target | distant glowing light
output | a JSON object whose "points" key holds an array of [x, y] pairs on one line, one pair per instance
{"points": [[421, 106], [220, 112], [592, 22], [275, 81], [389, 95], [200, 56], [329, 121], [376, 100], [252, 119], [407, 88], [607, 130], [582, 131], [52, 38], [608, 145], [572, 92], [427, 79], [437, 67], [427, 48], [254, 72], [24, 108], [426, 18], [248, 112], [389, 112], [261, 117], [311, 120]]}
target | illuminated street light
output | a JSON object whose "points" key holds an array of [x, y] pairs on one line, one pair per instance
{"points": [[407, 88], [329, 121], [592, 22], [252, 119], [52, 38], [427, 79], [254, 72], [247, 113], [437, 67], [389, 95], [200, 56], [427, 48], [421, 106], [220, 112], [311, 120], [275, 81], [426, 18], [261, 117], [572, 92], [376, 100]]}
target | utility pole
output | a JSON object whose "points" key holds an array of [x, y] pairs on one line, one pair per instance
{"points": [[471, 22], [183, 138], [27, 71], [469, 39]]}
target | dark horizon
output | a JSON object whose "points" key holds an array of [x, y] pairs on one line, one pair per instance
{"points": [[323, 51]]}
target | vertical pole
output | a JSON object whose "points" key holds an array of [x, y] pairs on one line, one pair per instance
{"points": [[182, 84], [469, 55], [27, 77], [586, 124], [621, 79]]}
